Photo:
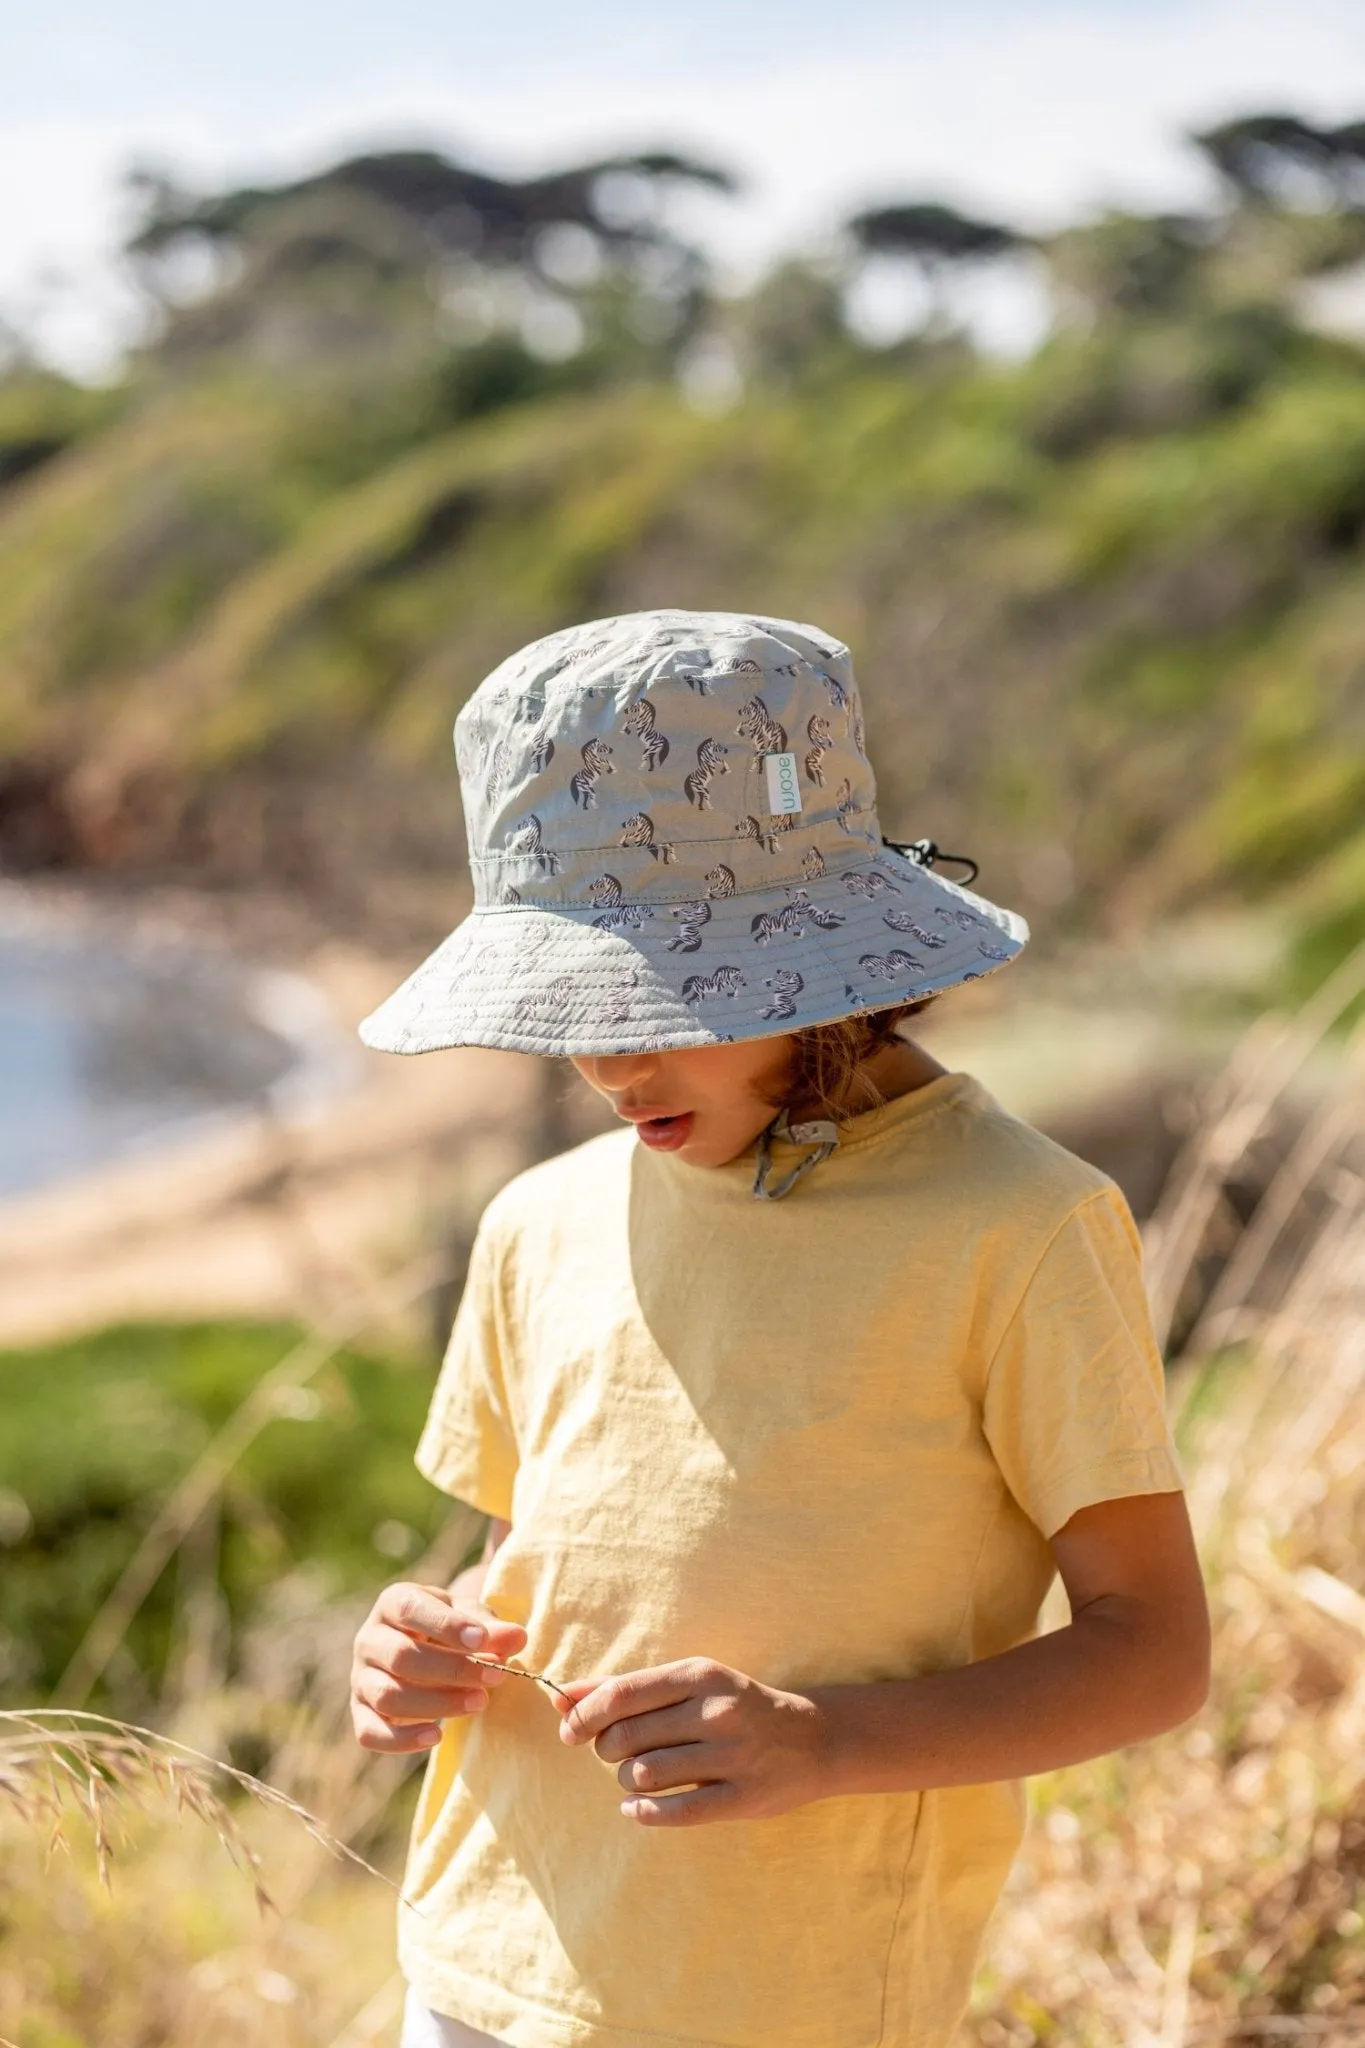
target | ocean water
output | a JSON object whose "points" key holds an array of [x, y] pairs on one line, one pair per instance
{"points": [[108, 1050]]}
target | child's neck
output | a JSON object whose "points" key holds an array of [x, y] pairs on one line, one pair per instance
{"points": [[898, 1069]]}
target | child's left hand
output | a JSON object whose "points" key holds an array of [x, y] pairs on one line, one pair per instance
{"points": [[749, 1750]]}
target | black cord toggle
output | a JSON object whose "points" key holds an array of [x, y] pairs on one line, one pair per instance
{"points": [[926, 851]]}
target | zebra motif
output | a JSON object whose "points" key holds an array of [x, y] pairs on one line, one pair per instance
{"points": [[838, 695], [859, 732], [546, 1001], [854, 996], [639, 831], [786, 986], [471, 749], [607, 896], [821, 740], [485, 957], [540, 752], [496, 770], [738, 665], [901, 921], [749, 828], [586, 653], [889, 966], [756, 723], [963, 919], [509, 894], [721, 981], [695, 680], [526, 838], [792, 918], [844, 806], [710, 763], [812, 864], [596, 763], [616, 994], [825, 919], [867, 882], [992, 952], [535, 941], [529, 709], [691, 918], [720, 880], [641, 723]]}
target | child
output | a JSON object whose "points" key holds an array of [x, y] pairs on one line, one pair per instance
{"points": [[783, 1421]]}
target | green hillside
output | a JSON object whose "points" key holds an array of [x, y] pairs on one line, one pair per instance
{"points": [[1106, 604]]}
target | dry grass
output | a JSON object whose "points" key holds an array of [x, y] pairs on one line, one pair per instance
{"points": [[55, 1758], [1210, 1886], [1205, 1888]]}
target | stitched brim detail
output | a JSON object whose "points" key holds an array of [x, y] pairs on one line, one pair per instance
{"points": [[658, 977]]}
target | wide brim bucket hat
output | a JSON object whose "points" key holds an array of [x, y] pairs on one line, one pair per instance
{"points": [[674, 841]]}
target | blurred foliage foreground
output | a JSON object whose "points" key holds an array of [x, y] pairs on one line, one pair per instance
{"points": [[1206, 1887], [392, 421]]}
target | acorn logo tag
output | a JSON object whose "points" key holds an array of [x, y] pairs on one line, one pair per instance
{"points": [[784, 791]]}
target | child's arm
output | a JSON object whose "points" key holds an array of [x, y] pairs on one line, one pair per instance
{"points": [[1133, 1660]]}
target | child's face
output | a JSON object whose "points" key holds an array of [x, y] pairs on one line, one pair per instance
{"points": [[716, 1098]]}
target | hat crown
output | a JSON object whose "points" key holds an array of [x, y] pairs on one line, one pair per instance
{"points": [[665, 756]]}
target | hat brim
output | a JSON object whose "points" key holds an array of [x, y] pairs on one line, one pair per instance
{"points": [[663, 976]]}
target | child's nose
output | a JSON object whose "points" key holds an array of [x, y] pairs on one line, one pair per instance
{"points": [[615, 1072]]}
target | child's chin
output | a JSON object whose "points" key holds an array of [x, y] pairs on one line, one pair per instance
{"points": [[712, 1149]]}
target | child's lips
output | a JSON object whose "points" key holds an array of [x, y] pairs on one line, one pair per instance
{"points": [[664, 1132]]}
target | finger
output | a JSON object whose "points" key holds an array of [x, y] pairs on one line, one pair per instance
{"points": [[639, 1732], [373, 1732], [633, 1692], [423, 1611], [577, 1689], [684, 1809], [664, 1770], [398, 1702], [388, 1649]]}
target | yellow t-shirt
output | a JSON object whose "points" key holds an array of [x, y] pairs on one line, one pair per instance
{"points": [[822, 1439]]}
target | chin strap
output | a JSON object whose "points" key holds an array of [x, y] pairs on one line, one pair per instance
{"points": [[821, 1133], [925, 852]]}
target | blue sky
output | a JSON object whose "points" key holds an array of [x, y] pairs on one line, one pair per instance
{"points": [[1032, 109]]}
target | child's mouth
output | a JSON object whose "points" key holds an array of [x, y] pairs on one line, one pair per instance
{"points": [[666, 1133]]}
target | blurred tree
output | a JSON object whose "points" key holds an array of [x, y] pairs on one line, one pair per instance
{"points": [[456, 209], [1131, 265], [791, 326], [365, 255], [937, 239], [933, 235], [1280, 159]]}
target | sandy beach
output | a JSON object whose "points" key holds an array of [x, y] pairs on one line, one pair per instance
{"points": [[306, 1209], [315, 1210]]}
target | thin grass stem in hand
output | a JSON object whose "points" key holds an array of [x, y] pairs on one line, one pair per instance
{"points": [[517, 1672]]}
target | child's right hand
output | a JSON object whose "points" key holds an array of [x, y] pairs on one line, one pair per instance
{"points": [[415, 1667]]}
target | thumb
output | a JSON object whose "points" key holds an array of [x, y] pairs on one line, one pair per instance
{"points": [[503, 1638]]}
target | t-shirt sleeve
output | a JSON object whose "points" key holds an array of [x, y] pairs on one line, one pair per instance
{"points": [[1075, 1400], [468, 1444]]}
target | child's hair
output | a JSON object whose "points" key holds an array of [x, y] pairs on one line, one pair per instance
{"points": [[826, 1076]]}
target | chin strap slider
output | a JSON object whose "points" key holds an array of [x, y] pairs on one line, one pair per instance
{"points": [[820, 1133]]}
